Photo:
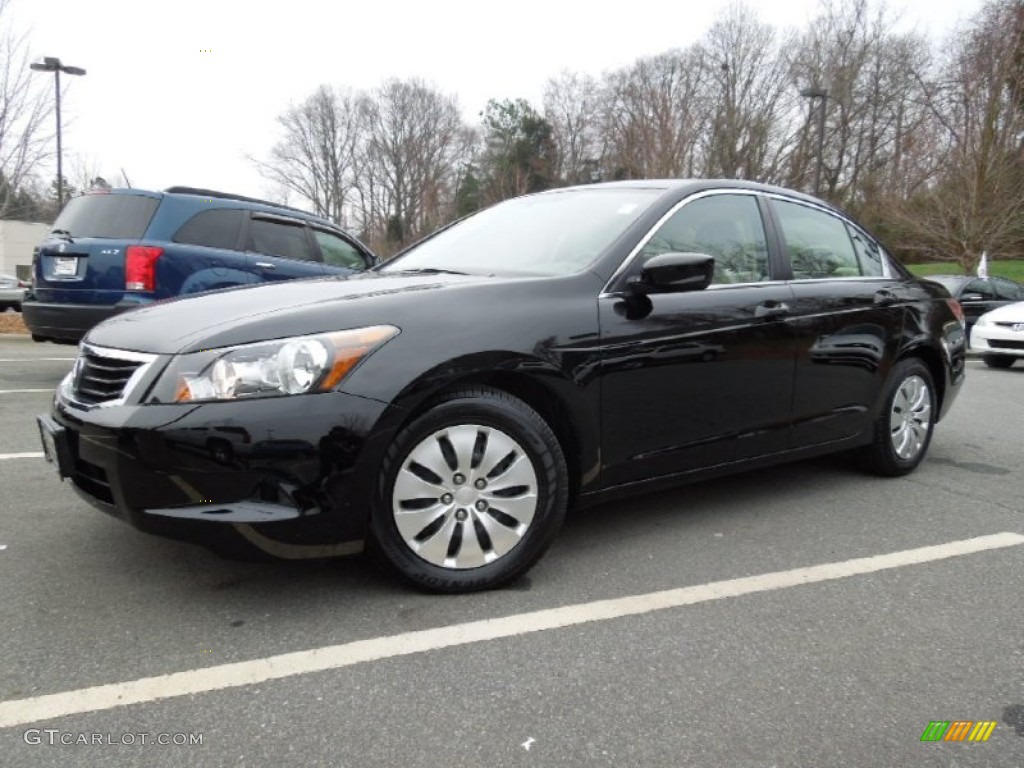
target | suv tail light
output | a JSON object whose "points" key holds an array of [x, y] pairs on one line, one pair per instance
{"points": [[140, 267], [957, 309]]}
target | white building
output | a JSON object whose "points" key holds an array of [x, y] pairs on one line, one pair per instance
{"points": [[17, 239]]}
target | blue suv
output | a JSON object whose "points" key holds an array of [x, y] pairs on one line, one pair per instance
{"points": [[112, 251]]}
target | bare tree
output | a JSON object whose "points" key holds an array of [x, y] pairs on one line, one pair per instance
{"points": [[25, 106], [315, 158], [875, 99], [652, 118], [977, 202], [413, 141], [748, 93], [572, 107]]}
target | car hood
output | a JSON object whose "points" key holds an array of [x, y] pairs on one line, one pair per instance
{"points": [[1010, 313], [269, 311]]}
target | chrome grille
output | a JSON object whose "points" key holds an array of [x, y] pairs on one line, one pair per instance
{"points": [[104, 375]]}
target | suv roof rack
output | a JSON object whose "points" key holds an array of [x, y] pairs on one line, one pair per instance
{"points": [[229, 196]]}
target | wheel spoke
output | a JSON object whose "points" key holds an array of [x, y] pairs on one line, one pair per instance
{"points": [[428, 454], [463, 440], [470, 554], [503, 538], [435, 549], [521, 509], [499, 446], [411, 523], [519, 472], [408, 486]]}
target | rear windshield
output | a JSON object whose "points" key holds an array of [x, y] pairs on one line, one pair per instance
{"points": [[119, 217]]}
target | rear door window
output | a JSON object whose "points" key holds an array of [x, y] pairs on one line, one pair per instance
{"points": [[818, 244], [218, 228], [117, 217], [280, 237]]}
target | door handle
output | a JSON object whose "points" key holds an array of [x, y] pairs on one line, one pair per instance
{"points": [[885, 297], [266, 265], [769, 309]]}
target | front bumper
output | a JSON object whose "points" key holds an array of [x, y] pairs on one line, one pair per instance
{"points": [[997, 340], [178, 470]]}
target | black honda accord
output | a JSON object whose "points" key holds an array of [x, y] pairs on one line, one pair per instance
{"points": [[553, 350]]}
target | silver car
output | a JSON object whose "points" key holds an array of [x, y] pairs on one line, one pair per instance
{"points": [[12, 291]]}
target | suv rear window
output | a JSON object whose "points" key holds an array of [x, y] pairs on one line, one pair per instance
{"points": [[119, 217]]}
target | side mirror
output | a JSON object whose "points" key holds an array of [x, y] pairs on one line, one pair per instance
{"points": [[675, 273], [972, 297]]}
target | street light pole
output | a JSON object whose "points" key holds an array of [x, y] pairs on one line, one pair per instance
{"points": [[812, 94], [53, 64]]}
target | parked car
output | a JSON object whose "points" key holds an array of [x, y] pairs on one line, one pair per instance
{"points": [[451, 404], [999, 336], [110, 251], [978, 295], [12, 292]]}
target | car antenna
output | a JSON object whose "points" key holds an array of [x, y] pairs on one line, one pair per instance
{"points": [[126, 182]]}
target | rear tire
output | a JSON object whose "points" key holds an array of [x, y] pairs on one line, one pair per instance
{"points": [[905, 424], [470, 494], [998, 361]]}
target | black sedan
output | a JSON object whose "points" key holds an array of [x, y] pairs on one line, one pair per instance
{"points": [[554, 350], [978, 295]]}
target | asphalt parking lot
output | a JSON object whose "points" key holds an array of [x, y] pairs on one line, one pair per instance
{"points": [[670, 630]]}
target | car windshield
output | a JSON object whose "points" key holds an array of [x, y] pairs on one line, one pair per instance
{"points": [[557, 233]]}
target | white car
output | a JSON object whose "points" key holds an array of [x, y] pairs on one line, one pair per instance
{"points": [[12, 291], [999, 335]]}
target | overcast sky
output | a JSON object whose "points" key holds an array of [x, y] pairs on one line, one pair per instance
{"points": [[181, 92]]}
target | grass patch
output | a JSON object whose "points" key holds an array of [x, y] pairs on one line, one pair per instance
{"points": [[1010, 269]]}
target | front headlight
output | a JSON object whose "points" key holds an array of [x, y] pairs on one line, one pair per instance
{"points": [[267, 369], [982, 321]]}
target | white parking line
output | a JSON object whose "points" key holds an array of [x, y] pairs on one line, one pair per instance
{"points": [[22, 391], [7, 456], [149, 689]]}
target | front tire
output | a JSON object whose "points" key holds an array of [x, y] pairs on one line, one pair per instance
{"points": [[904, 427], [470, 494], [998, 361]]}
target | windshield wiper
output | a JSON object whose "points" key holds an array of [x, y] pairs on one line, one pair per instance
{"points": [[431, 271], [65, 234]]}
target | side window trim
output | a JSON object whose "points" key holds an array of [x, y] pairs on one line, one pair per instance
{"points": [[778, 263], [627, 265], [887, 270]]}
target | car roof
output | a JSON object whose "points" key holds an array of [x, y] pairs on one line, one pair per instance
{"points": [[684, 187], [251, 202]]}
